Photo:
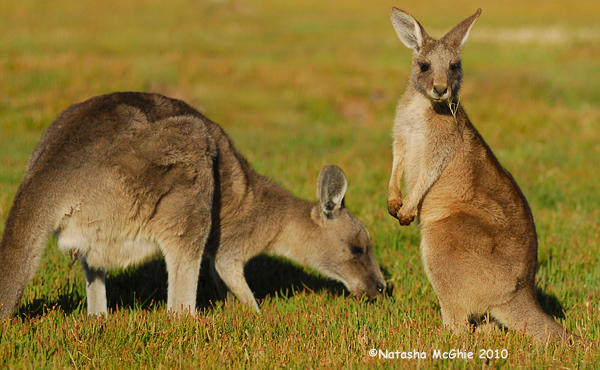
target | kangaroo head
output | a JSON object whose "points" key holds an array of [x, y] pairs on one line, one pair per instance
{"points": [[436, 65], [346, 252]]}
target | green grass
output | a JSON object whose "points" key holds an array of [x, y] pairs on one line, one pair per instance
{"points": [[298, 85]]}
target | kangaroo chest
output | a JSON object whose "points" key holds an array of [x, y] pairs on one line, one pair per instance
{"points": [[430, 139], [411, 126]]}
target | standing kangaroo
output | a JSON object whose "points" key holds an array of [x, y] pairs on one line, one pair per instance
{"points": [[123, 177], [478, 239]]}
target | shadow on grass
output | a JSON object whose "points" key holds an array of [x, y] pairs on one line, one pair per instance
{"points": [[145, 287], [550, 304], [67, 303], [268, 275]]}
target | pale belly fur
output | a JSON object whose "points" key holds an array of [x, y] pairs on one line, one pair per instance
{"points": [[104, 246]]}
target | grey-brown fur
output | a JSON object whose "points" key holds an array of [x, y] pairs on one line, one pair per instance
{"points": [[123, 177], [478, 238]]}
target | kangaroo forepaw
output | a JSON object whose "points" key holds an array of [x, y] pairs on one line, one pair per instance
{"points": [[405, 218], [394, 206]]}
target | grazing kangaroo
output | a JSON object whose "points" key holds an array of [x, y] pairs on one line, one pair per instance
{"points": [[123, 177], [478, 239]]}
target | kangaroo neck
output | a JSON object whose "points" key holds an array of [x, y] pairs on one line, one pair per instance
{"points": [[255, 209], [420, 109], [298, 234]]}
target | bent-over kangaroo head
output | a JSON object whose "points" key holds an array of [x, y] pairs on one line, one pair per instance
{"points": [[436, 64], [346, 252]]}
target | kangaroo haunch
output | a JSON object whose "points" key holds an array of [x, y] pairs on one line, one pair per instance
{"points": [[478, 239], [123, 177]]}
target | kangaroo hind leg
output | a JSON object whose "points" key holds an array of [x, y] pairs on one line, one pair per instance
{"points": [[183, 271], [182, 238]]}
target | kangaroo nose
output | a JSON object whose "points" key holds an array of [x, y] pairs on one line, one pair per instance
{"points": [[380, 288], [440, 89]]}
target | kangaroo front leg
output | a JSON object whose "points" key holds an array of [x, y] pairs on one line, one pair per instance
{"points": [[433, 165], [222, 291], [394, 199], [95, 289], [232, 274], [408, 210], [183, 271]]}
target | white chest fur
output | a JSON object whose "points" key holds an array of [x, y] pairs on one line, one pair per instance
{"points": [[410, 124]]}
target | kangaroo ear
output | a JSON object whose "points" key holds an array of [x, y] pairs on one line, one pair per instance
{"points": [[331, 188], [459, 34], [410, 32]]}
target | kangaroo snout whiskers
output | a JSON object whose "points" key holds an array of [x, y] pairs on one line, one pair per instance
{"points": [[158, 177], [374, 289], [440, 90]]}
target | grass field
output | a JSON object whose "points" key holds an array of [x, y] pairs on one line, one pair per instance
{"points": [[298, 84]]}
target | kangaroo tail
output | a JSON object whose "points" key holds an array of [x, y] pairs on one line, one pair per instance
{"points": [[29, 223], [524, 313]]}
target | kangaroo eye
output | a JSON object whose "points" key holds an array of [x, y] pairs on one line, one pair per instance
{"points": [[455, 66], [355, 249], [424, 67]]}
